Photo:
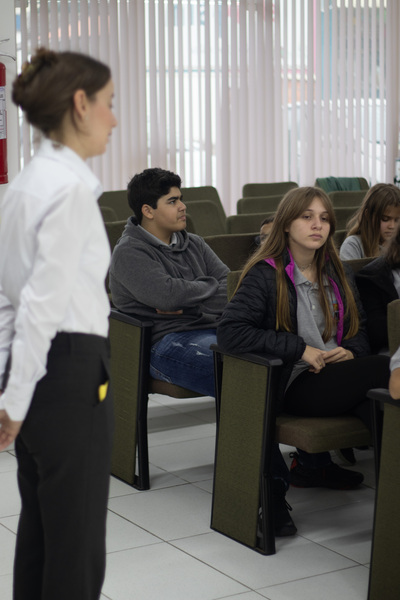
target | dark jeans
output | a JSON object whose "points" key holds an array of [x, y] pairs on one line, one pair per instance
{"points": [[63, 452], [338, 389]]}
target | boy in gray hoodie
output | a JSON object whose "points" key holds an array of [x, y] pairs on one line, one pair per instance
{"points": [[161, 272]]}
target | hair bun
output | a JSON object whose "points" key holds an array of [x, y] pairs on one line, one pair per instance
{"points": [[42, 58], [45, 88]]}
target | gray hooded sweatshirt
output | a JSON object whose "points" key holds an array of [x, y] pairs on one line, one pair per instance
{"points": [[146, 275]]}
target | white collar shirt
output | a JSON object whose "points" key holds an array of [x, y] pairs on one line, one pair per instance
{"points": [[174, 237], [54, 257]]}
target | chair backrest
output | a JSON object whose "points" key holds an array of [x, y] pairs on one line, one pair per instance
{"points": [[234, 249], [352, 198], [332, 184], [339, 237], [203, 192], [118, 201], [257, 204], [393, 322], [189, 224], [232, 281], [114, 231], [343, 214], [358, 263], [246, 223], [206, 218], [108, 214], [268, 189]]}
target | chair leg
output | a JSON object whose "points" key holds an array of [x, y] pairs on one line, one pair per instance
{"points": [[267, 542], [218, 366], [377, 409], [142, 478]]}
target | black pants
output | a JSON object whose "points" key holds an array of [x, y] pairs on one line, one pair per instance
{"points": [[338, 389], [63, 452]]}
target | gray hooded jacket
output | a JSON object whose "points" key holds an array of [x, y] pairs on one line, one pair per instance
{"points": [[147, 275]]}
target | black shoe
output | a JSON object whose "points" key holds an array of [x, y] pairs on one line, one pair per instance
{"points": [[283, 522], [332, 476], [346, 455]]}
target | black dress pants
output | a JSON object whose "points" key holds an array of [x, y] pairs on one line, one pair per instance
{"points": [[63, 452], [338, 389]]}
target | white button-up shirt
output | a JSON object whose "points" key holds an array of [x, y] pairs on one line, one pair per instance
{"points": [[54, 256]]}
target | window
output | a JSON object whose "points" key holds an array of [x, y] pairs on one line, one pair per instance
{"points": [[227, 92]]}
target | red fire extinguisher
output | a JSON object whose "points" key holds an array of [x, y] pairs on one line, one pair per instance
{"points": [[3, 126]]}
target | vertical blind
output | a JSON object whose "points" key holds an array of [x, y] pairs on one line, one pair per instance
{"points": [[227, 92]]}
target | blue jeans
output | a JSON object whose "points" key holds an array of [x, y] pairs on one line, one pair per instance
{"points": [[185, 358]]}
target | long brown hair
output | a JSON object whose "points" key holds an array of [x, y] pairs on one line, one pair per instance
{"points": [[291, 207], [366, 222], [392, 254]]}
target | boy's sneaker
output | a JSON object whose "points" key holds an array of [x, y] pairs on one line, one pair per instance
{"points": [[332, 476], [346, 455]]}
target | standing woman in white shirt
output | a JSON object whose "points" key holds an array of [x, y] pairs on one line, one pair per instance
{"points": [[54, 359]]}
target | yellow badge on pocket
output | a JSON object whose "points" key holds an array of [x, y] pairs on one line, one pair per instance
{"points": [[103, 391]]}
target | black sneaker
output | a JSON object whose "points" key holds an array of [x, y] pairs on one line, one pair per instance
{"points": [[332, 476], [346, 455], [283, 522]]}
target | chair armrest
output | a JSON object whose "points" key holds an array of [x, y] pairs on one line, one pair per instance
{"points": [[136, 320], [382, 395], [259, 358]]}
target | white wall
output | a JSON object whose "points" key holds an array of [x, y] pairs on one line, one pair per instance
{"points": [[7, 30]]}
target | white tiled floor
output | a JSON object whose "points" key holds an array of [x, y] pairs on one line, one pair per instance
{"points": [[160, 545]]}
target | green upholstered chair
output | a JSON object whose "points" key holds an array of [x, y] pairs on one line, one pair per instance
{"points": [[206, 218], [349, 198], [268, 189], [108, 214], [394, 325], [114, 231], [118, 201], [247, 427], [332, 184], [343, 214], [246, 223], [203, 192], [257, 204], [384, 578], [232, 249], [339, 237], [130, 339], [358, 263], [189, 224]]}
